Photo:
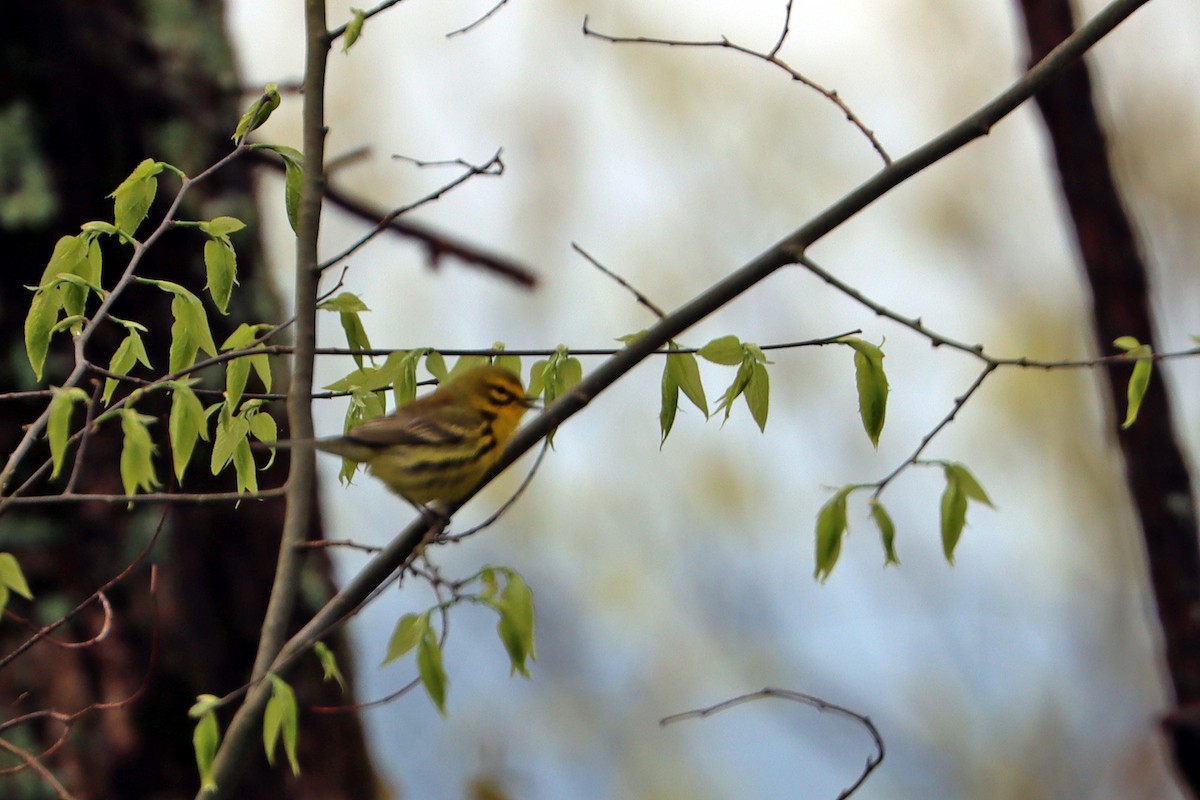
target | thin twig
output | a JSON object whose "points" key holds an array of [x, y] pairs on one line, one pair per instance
{"points": [[771, 57], [491, 520], [873, 761], [641, 298], [959, 402], [37, 766], [473, 25]]}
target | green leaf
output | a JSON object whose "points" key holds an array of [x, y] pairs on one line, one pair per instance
{"points": [[258, 113], [264, 428], [464, 363], [222, 226], [670, 400], [98, 227], [12, 577], [205, 739], [433, 674], [353, 29], [329, 664], [237, 372], [231, 432], [758, 394], [186, 424], [966, 482], [872, 386], [39, 322], [137, 453], [954, 514], [831, 527], [407, 634], [687, 373], [435, 364], [281, 718], [887, 532], [245, 468], [516, 625], [680, 372], [220, 264], [509, 362], [725, 350], [189, 332], [343, 303], [132, 350], [293, 189], [735, 389], [1139, 379], [133, 198], [293, 164], [58, 428]]}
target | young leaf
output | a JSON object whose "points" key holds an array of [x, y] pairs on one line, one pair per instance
{"points": [[205, 739], [435, 364], [281, 718], [264, 428], [758, 394], [516, 625], [293, 188], [670, 400], [131, 351], [887, 532], [222, 226], [872, 386], [244, 468], [189, 332], [220, 264], [407, 634], [39, 322], [1139, 379], [329, 664], [354, 29], [11, 576], [735, 389], [967, 483], [231, 432], [186, 423], [58, 428], [132, 199], [258, 113], [726, 350], [429, 666], [137, 453], [954, 514], [831, 527], [688, 377], [510, 363]]}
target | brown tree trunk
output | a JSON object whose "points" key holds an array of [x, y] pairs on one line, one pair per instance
{"points": [[89, 88], [1156, 473]]}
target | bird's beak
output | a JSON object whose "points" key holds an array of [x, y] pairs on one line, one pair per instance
{"points": [[530, 402]]}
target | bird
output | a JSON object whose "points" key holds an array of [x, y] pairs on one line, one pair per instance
{"points": [[438, 447]]}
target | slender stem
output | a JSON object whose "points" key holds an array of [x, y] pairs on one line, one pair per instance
{"points": [[239, 739]]}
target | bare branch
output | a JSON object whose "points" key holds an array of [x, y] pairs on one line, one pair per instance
{"points": [[473, 25], [873, 761], [771, 57], [641, 298]]}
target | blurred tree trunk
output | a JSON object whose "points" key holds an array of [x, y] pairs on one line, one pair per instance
{"points": [[89, 88], [1155, 470]]}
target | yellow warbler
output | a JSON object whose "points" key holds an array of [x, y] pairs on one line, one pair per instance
{"points": [[439, 446]]}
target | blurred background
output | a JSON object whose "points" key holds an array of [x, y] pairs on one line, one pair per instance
{"points": [[672, 578]]}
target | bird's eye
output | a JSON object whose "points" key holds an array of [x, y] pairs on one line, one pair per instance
{"points": [[502, 396]]}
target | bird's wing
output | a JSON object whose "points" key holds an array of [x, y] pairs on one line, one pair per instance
{"points": [[404, 427]]}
